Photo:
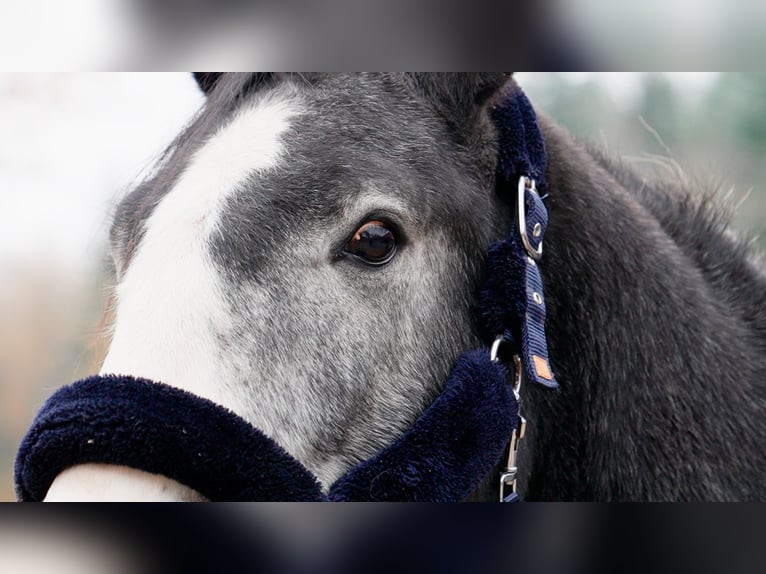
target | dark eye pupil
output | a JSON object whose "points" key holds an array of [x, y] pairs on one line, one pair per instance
{"points": [[373, 242]]}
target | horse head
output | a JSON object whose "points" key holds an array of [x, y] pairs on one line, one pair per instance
{"points": [[308, 253]]}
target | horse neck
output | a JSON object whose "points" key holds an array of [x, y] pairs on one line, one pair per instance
{"points": [[642, 343]]}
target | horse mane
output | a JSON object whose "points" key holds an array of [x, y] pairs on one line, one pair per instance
{"points": [[697, 214], [657, 327]]}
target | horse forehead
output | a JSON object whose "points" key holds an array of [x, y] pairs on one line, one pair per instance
{"points": [[248, 144], [345, 143], [251, 168]]}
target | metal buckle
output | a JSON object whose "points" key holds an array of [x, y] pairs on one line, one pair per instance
{"points": [[524, 184], [493, 354]]}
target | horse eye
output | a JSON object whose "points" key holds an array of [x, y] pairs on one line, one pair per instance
{"points": [[374, 243]]}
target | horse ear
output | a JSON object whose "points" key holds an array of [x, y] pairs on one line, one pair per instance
{"points": [[207, 80], [458, 96]]}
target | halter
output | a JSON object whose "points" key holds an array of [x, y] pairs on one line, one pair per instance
{"points": [[444, 455], [513, 301]]}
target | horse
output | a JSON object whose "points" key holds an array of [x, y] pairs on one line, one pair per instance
{"points": [[307, 253]]}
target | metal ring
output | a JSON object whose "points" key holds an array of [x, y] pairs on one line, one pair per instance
{"points": [[493, 354], [524, 183]]}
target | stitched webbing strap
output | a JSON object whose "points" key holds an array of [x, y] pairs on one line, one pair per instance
{"points": [[513, 300]]}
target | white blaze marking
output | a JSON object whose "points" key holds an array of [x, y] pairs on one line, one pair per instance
{"points": [[170, 301]]}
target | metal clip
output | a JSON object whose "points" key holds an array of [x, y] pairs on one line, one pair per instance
{"points": [[524, 184], [509, 475]]}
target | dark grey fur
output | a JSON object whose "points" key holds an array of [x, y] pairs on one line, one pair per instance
{"points": [[657, 316]]}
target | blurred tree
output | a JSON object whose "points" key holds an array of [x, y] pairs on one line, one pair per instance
{"points": [[735, 118], [581, 107], [719, 137], [738, 100], [661, 109]]}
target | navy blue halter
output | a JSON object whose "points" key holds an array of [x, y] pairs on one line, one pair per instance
{"points": [[444, 456], [512, 300]]}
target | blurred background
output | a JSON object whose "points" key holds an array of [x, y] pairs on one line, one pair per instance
{"points": [[71, 144], [421, 34]]}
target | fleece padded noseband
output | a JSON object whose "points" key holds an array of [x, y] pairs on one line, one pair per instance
{"points": [[163, 430], [450, 448], [444, 456]]}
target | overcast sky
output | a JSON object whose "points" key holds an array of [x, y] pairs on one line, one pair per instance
{"points": [[69, 145]]}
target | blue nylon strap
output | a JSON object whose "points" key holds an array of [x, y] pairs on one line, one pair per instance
{"points": [[534, 344], [513, 300], [513, 497]]}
